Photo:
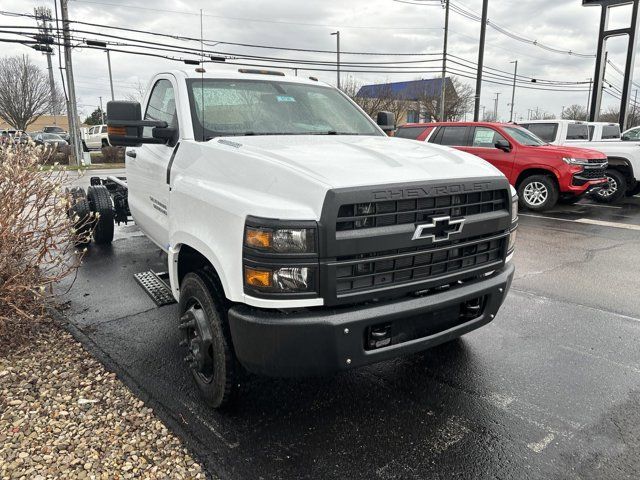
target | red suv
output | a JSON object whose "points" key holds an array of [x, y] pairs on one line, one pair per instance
{"points": [[542, 173]]}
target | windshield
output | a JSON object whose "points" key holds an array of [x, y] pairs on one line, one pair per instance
{"points": [[524, 136], [53, 130], [222, 107]]}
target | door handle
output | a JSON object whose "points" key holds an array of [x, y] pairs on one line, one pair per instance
{"points": [[131, 153]]}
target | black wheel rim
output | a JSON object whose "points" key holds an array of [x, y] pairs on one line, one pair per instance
{"points": [[198, 339]]}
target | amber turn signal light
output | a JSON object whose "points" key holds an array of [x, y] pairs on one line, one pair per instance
{"points": [[117, 131], [257, 278], [257, 238]]}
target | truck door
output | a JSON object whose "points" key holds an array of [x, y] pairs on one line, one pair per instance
{"points": [[483, 144], [147, 167]]}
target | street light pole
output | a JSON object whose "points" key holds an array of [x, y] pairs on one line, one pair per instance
{"points": [[589, 98], [443, 87], [337, 34], [513, 91], [110, 76], [101, 110], [496, 106]]}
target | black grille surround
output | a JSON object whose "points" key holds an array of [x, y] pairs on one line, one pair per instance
{"points": [[378, 259]]}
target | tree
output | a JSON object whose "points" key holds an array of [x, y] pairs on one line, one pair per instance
{"points": [[383, 101], [574, 112], [25, 93], [457, 101], [95, 118], [542, 115], [138, 92]]}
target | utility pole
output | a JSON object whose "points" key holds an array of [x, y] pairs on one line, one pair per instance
{"points": [[635, 104], [337, 34], [443, 87], [513, 91], [561, 111], [483, 31], [589, 98], [72, 107], [101, 111], [483, 109], [43, 15], [496, 106]]}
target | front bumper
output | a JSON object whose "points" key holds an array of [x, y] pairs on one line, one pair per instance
{"points": [[324, 340]]}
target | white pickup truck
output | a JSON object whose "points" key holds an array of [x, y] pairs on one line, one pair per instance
{"points": [[623, 172], [300, 238]]}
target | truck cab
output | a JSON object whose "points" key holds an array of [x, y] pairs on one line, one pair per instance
{"points": [[623, 171], [300, 238]]}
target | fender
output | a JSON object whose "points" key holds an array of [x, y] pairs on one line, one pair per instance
{"points": [[177, 241], [538, 166]]}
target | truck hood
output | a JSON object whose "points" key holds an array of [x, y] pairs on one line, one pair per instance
{"points": [[567, 151], [350, 160]]}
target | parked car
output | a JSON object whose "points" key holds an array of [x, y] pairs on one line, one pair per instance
{"points": [[301, 239], [96, 138], [49, 140], [57, 131], [13, 136], [542, 174], [623, 172], [633, 134]]}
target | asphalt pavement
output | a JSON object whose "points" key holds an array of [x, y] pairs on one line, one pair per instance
{"points": [[549, 389]]}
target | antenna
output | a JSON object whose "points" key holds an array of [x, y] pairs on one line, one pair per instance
{"points": [[202, 73]]}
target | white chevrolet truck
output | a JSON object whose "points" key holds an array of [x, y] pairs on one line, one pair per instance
{"points": [[300, 238], [623, 171]]}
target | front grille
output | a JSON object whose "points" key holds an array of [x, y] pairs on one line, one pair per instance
{"points": [[396, 267], [596, 160], [356, 216], [592, 173]]}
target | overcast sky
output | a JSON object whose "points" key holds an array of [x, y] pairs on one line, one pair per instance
{"points": [[365, 25]]}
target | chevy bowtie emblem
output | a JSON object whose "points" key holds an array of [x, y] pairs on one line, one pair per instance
{"points": [[439, 230]]}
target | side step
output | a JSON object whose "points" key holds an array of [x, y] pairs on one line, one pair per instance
{"points": [[156, 285]]}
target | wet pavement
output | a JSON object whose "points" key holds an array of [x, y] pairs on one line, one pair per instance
{"points": [[549, 389]]}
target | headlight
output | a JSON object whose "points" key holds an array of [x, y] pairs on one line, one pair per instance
{"points": [[575, 161], [281, 240], [280, 280]]}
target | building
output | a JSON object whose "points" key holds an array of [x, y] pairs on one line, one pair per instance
{"points": [[421, 98], [43, 121]]}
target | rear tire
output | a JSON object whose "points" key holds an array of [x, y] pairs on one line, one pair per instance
{"points": [[100, 201], [80, 213], [616, 190], [210, 356], [538, 193]]}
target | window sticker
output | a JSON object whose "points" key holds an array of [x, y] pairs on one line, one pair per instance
{"points": [[483, 136], [285, 98]]}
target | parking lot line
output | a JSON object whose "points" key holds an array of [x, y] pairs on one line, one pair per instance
{"points": [[608, 224], [597, 205], [588, 221]]}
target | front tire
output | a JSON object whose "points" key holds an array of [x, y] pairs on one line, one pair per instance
{"points": [[616, 190], [538, 193], [210, 356]]}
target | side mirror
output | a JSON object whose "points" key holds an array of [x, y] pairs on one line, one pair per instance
{"points": [[386, 121], [125, 126], [503, 145], [626, 138]]}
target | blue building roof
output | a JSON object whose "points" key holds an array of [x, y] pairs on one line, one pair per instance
{"points": [[411, 90]]}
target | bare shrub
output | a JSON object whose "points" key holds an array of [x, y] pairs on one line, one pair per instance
{"points": [[113, 155], [37, 239]]}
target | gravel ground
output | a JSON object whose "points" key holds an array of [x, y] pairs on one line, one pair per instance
{"points": [[62, 415]]}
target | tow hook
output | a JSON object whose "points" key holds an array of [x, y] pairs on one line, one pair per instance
{"points": [[378, 336]]}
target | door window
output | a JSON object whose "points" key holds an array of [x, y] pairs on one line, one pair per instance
{"points": [[577, 131], [544, 131], [162, 105], [610, 132], [103, 129], [452, 136], [484, 137], [409, 132]]}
